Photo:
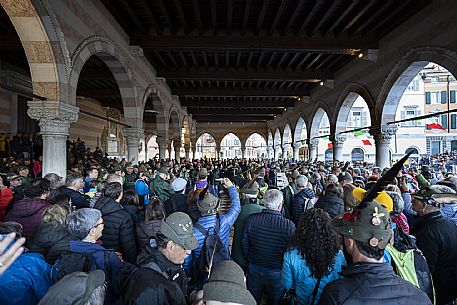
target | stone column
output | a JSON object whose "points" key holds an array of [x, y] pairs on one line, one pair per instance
{"points": [[285, 150], [276, 151], [312, 145], [296, 150], [133, 136], [145, 151], [187, 151], [268, 152], [194, 152], [382, 137], [169, 150], [54, 119], [243, 151], [218, 152], [338, 142], [162, 147], [177, 147]]}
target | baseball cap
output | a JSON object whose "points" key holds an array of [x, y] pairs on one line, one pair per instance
{"points": [[179, 184], [179, 229]]}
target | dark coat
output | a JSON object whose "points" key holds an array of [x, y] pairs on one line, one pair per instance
{"points": [[265, 238], [29, 213], [299, 204], [373, 284], [176, 203], [77, 199], [159, 287], [118, 233], [134, 212], [51, 241], [437, 238], [332, 204], [147, 230]]}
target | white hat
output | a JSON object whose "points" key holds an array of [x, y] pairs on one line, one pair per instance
{"points": [[179, 184]]}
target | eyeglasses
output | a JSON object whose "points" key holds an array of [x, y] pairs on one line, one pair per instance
{"points": [[98, 224]]}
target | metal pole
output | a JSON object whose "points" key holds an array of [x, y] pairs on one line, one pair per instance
{"points": [[448, 104]]}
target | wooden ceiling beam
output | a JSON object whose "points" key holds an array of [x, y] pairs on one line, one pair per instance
{"points": [[346, 45], [212, 4], [206, 92], [246, 74], [237, 111], [277, 16], [344, 15], [98, 92], [182, 16], [247, 9], [198, 17], [310, 15], [231, 118], [229, 16], [261, 18], [235, 102], [163, 10], [294, 16], [155, 27]]}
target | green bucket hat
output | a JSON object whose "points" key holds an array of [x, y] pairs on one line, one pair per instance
{"points": [[209, 204], [369, 224], [226, 284], [178, 228]]}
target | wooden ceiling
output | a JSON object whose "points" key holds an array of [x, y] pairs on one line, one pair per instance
{"points": [[248, 60]]}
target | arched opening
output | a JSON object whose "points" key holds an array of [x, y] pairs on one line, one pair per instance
{"points": [[230, 147], [206, 147], [277, 145], [328, 155], [325, 148], [256, 147], [287, 143], [152, 148], [357, 155], [175, 132], [300, 136], [270, 145]]}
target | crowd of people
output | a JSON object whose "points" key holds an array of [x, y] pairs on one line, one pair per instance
{"points": [[236, 231]]}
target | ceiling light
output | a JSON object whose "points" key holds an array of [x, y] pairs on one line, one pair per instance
{"points": [[151, 111], [321, 83], [360, 55]]}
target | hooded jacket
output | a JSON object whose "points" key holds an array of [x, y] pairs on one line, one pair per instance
{"points": [[299, 204], [147, 230], [374, 284], [77, 199], [161, 188], [332, 204], [118, 233], [6, 196], [29, 213], [51, 241]]}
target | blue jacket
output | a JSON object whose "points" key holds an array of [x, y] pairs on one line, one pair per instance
{"points": [[142, 189], [296, 274], [26, 281], [209, 221], [450, 211]]}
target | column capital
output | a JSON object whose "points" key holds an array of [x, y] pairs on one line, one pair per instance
{"points": [[133, 133], [337, 140], [297, 145], [54, 117], [383, 134], [312, 142]]}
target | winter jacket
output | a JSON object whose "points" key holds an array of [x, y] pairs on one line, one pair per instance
{"points": [[296, 274], [237, 252], [436, 237], [265, 238], [118, 233], [209, 221], [142, 189], [26, 281], [176, 203], [157, 283], [332, 204], [129, 181], [402, 222], [162, 188], [373, 284], [50, 240], [135, 213], [288, 194], [6, 196], [299, 203], [29, 213], [450, 211], [145, 231], [77, 199]]}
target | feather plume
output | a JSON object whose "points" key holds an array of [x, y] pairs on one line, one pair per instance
{"points": [[202, 194], [383, 181], [345, 167]]}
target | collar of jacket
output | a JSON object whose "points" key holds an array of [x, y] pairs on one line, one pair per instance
{"points": [[154, 255], [371, 269], [427, 219], [268, 211]]}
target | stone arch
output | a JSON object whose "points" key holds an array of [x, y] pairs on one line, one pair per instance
{"points": [[153, 94], [286, 134], [44, 46], [118, 63], [321, 109], [345, 103], [299, 125], [175, 123], [186, 125], [203, 132], [277, 141], [253, 132], [402, 74]]}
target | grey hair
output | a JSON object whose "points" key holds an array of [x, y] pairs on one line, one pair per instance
{"points": [[98, 296], [273, 199], [114, 178], [332, 179], [54, 179], [72, 178], [398, 202], [80, 222], [302, 181]]}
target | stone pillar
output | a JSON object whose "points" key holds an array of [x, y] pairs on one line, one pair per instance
{"points": [[296, 150], [312, 145], [268, 152], [276, 151], [285, 151], [187, 151], [133, 136], [338, 142], [169, 150], [54, 119], [162, 147], [145, 150], [243, 151], [382, 137], [194, 151], [177, 147], [218, 152]]}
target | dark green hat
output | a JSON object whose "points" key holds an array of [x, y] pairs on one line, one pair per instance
{"points": [[208, 204], [436, 195], [368, 225], [252, 190], [178, 228], [226, 284], [22, 167]]}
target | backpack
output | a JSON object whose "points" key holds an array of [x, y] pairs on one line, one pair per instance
{"points": [[213, 252], [410, 264], [75, 261]]}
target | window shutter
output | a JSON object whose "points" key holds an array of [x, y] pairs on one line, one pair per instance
{"points": [[443, 97], [453, 121], [452, 96], [444, 120], [428, 98]]}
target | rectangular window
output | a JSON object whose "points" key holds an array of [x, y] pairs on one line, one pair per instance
{"points": [[452, 96], [428, 99], [443, 97], [435, 147], [453, 121], [444, 120]]}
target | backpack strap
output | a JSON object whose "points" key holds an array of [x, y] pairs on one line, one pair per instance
{"points": [[218, 224], [154, 266], [316, 288], [201, 229]]}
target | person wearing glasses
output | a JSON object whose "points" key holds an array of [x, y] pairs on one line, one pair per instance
{"points": [[85, 227]]}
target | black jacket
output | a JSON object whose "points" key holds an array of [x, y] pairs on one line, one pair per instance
{"points": [[332, 204], [437, 239], [160, 282], [373, 284], [51, 241], [77, 199], [118, 233], [147, 230], [265, 238], [176, 203], [299, 204]]}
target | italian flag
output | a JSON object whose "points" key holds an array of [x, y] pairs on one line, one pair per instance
{"points": [[330, 144], [361, 135], [431, 124]]}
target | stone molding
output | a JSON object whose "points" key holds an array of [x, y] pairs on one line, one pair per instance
{"points": [[133, 134], [54, 117], [337, 140], [384, 134], [312, 142]]}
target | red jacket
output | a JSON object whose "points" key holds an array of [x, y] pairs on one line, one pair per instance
{"points": [[6, 195]]}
